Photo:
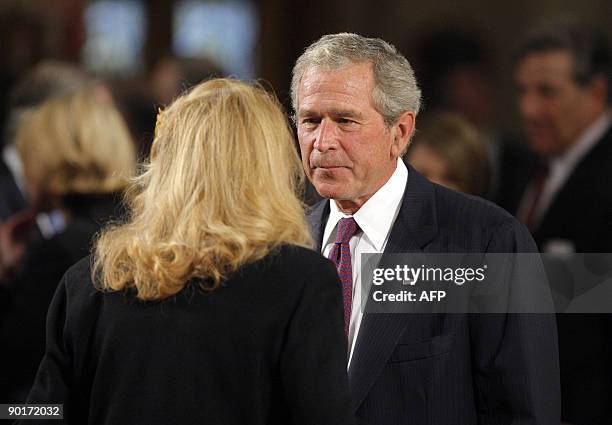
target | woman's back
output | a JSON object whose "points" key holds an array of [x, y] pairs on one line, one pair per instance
{"points": [[246, 353]]}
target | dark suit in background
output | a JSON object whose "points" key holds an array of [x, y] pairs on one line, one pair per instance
{"points": [[564, 95], [512, 168], [580, 217], [452, 368], [581, 212]]}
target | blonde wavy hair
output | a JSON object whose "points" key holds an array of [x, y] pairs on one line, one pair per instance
{"points": [[76, 143], [220, 191]]}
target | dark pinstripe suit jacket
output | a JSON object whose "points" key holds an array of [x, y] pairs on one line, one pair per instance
{"points": [[452, 369]]}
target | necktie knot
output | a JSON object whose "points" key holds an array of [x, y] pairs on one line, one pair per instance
{"points": [[347, 228]]}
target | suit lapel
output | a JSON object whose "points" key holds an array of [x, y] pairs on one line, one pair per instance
{"points": [[565, 204], [317, 218], [414, 227]]}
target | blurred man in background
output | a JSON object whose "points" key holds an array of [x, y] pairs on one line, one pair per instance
{"points": [[46, 80], [459, 76], [563, 79]]}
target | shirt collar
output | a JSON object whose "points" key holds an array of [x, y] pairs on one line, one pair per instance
{"points": [[13, 163], [377, 214], [583, 144]]}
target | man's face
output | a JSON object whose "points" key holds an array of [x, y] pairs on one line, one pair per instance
{"points": [[347, 151], [555, 109]]}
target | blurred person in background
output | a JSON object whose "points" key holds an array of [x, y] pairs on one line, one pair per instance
{"points": [[448, 150], [458, 77], [77, 157], [43, 82], [563, 77], [207, 305]]}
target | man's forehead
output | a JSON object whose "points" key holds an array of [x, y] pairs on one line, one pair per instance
{"points": [[353, 81], [553, 63], [353, 73]]}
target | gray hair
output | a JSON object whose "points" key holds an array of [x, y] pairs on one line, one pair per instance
{"points": [[395, 91]]}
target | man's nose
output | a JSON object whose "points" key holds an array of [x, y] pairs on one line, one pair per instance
{"points": [[325, 136]]}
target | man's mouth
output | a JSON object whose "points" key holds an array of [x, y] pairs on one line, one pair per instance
{"points": [[537, 130], [328, 167]]}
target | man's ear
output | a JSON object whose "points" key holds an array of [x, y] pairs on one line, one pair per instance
{"points": [[402, 132]]}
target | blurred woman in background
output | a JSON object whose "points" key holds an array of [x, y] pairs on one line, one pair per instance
{"points": [[77, 157], [448, 150], [207, 305]]}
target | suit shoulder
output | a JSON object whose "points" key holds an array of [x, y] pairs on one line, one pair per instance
{"points": [[452, 205], [77, 278], [475, 224], [80, 269]]}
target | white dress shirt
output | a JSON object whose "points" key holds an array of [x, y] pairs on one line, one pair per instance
{"points": [[561, 167], [375, 218]]}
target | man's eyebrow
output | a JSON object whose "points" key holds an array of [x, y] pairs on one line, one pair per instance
{"points": [[306, 113], [346, 113]]}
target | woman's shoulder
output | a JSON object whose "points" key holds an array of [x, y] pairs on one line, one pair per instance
{"points": [[80, 269], [296, 264], [299, 259], [286, 261], [77, 280]]}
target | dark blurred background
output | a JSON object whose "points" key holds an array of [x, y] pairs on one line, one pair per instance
{"points": [[143, 53], [130, 42]]}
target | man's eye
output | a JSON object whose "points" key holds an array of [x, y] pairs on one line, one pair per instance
{"points": [[310, 121], [346, 121], [547, 91]]}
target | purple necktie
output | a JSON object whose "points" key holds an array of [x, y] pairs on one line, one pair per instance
{"points": [[341, 256]]}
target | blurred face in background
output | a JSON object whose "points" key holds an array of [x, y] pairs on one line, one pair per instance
{"points": [[433, 166], [554, 107], [75, 144]]}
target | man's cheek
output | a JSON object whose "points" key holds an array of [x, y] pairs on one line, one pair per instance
{"points": [[305, 154]]}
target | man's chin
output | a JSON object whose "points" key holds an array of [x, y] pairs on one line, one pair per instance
{"points": [[328, 194], [544, 146], [329, 190]]}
